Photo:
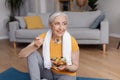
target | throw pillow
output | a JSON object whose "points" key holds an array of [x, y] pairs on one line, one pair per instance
{"points": [[97, 21], [21, 22], [33, 22]]}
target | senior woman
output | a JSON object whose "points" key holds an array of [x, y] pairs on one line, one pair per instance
{"points": [[57, 42]]}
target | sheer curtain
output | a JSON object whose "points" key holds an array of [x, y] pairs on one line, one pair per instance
{"points": [[25, 8], [37, 6]]}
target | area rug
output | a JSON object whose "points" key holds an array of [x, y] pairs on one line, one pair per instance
{"points": [[13, 74]]}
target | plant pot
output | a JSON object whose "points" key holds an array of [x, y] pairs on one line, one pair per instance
{"points": [[81, 4]]}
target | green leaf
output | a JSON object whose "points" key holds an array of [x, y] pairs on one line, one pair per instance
{"points": [[92, 4]]}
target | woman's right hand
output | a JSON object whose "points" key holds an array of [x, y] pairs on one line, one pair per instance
{"points": [[38, 41], [25, 52]]}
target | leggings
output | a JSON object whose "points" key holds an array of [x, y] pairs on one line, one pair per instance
{"points": [[38, 72]]}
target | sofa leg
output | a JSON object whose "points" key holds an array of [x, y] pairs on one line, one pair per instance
{"points": [[14, 45], [104, 49]]}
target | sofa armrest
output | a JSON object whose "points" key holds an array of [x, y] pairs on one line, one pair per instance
{"points": [[104, 31], [13, 26]]}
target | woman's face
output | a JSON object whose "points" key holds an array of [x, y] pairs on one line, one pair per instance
{"points": [[58, 26]]}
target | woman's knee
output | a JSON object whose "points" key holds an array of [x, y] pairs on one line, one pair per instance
{"points": [[33, 56]]}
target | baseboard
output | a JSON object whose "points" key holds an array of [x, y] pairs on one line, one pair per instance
{"points": [[115, 35], [3, 37]]}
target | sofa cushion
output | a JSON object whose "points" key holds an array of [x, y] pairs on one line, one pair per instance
{"points": [[21, 22], [78, 33], [97, 21], [44, 17], [33, 22], [31, 34], [82, 19], [85, 33]]}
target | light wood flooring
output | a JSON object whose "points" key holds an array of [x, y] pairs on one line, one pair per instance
{"points": [[92, 62]]}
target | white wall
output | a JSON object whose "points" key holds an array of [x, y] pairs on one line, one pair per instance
{"points": [[4, 12], [111, 8]]}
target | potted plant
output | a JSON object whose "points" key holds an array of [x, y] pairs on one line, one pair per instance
{"points": [[92, 4], [14, 6]]}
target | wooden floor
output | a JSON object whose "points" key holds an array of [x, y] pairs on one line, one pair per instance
{"points": [[92, 62]]}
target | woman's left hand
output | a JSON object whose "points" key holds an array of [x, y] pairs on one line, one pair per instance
{"points": [[61, 68]]}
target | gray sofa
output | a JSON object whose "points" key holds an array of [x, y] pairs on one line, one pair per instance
{"points": [[79, 26]]}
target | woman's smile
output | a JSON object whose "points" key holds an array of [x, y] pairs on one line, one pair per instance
{"points": [[60, 32], [59, 26]]}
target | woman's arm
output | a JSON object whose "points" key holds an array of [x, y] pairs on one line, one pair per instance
{"points": [[75, 62], [31, 47]]}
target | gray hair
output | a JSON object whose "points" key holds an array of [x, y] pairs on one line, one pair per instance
{"points": [[54, 15]]}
